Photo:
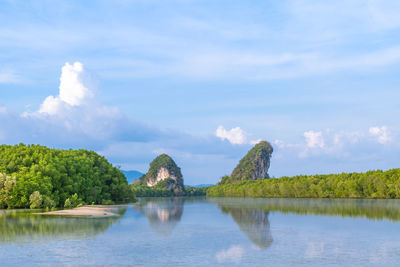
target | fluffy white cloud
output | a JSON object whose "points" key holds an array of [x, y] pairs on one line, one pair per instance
{"points": [[75, 84], [382, 134], [76, 116], [314, 139], [76, 88], [235, 136], [51, 105], [233, 254]]}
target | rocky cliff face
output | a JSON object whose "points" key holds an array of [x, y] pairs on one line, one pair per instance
{"points": [[254, 165], [164, 173]]}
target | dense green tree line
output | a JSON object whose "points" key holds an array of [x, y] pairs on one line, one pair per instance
{"points": [[150, 191], [372, 184], [195, 191], [160, 191], [37, 177]]}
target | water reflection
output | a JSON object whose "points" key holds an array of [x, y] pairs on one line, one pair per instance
{"points": [[162, 213], [23, 226], [376, 209], [251, 214], [252, 222]]}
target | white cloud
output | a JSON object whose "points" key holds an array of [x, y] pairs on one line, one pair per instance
{"points": [[235, 136], [328, 142], [75, 115], [51, 105], [233, 254], [74, 84], [382, 133], [314, 139], [75, 89], [361, 144]]}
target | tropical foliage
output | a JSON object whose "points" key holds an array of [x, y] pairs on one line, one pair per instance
{"points": [[160, 191], [37, 177], [372, 184], [195, 191]]}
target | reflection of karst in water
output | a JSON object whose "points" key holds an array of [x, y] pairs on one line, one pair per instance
{"points": [[254, 223], [23, 226], [163, 214]]}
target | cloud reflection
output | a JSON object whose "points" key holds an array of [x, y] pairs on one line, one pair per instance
{"points": [[233, 254]]}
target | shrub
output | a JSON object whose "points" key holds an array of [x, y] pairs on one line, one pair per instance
{"points": [[73, 202]]}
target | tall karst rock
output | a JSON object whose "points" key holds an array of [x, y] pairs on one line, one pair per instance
{"points": [[164, 173], [254, 165]]}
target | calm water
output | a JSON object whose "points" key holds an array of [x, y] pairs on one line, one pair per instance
{"points": [[207, 232]]}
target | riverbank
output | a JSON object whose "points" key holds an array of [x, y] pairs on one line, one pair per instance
{"points": [[95, 211], [371, 184]]}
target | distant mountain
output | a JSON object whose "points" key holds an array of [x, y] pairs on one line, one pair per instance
{"points": [[132, 175], [201, 185]]}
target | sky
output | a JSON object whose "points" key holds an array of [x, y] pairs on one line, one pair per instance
{"points": [[204, 80]]}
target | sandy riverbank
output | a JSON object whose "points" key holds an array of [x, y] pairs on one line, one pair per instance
{"points": [[96, 211]]}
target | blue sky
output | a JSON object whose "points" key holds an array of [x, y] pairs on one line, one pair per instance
{"points": [[204, 80]]}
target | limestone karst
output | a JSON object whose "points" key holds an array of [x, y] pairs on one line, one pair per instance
{"points": [[254, 165], [164, 172]]}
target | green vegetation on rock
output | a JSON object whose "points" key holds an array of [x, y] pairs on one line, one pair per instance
{"points": [[253, 166], [372, 184], [39, 177], [163, 174]]}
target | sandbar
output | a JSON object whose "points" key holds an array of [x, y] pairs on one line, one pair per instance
{"points": [[95, 211]]}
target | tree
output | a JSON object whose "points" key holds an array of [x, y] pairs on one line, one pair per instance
{"points": [[57, 175], [36, 200], [7, 184]]}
